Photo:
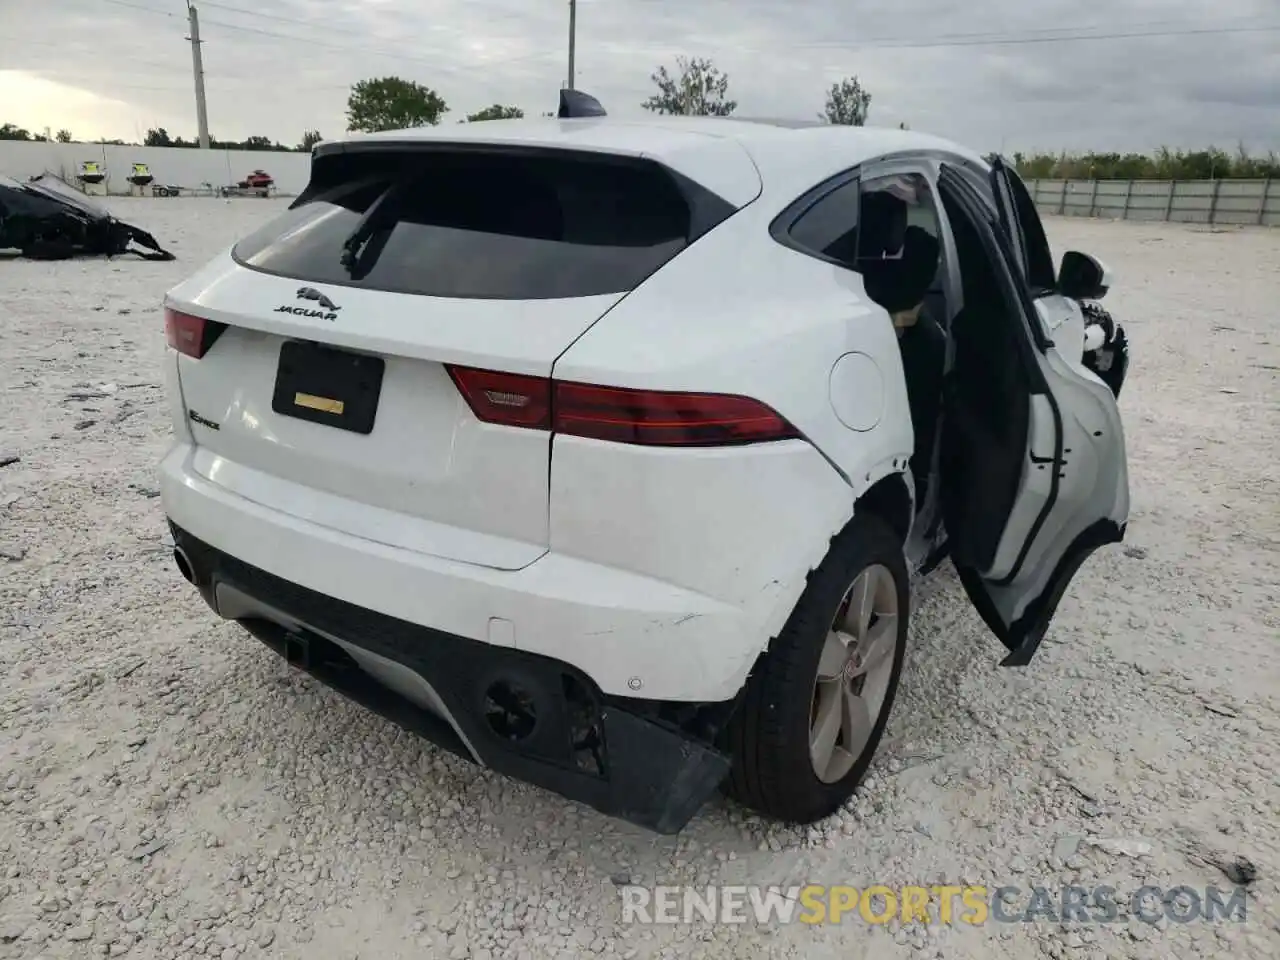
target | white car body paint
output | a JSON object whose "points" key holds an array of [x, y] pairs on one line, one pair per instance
{"points": [[857, 391], [659, 572]]}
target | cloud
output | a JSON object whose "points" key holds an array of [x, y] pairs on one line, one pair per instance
{"points": [[1027, 82], [34, 103]]}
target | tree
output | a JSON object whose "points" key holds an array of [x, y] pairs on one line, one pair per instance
{"points": [[10, 131], [700, 90], [64, 136], [496, 112], [1164, 164], [390, 103], [847, 103], [309, 139], [158, 137]]}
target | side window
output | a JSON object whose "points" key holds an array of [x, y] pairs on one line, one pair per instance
{"points": [[913, 190], [1041, 274], [863, 219], [829, 228], [900, 246], [882, 230]]}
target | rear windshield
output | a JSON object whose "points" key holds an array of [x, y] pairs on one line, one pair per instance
{"points": [[492, 226]]}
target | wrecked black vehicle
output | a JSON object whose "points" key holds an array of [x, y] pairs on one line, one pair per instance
{"points": [[44, 219]]}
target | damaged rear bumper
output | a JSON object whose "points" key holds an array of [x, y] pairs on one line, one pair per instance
{"points": [[526, 716]]}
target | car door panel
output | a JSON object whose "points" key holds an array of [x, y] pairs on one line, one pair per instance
{"points": [[984, 435], [1033, 493], [1035, 477], [1063, 322], [1020, 616]]}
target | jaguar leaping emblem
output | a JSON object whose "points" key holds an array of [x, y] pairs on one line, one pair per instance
{"points": [[311, 293]]}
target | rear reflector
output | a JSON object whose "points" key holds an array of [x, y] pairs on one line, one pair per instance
{"points": [[192, 336], [506, 398], [646, 417]]}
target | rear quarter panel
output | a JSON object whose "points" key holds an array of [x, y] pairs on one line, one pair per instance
{"points": [[739, 313], [736, 313]]}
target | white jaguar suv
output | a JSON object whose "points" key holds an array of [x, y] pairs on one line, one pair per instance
{"points": [[602, 452]]}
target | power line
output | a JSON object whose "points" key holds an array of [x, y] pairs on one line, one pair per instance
{"points": [[1026, 35], [979, 38], [330, 24], [133, 61], [884, 42], [1032, 33], [319, 24], [788, 6], [347, 48], [889, 43], [106, 86], [1133, 25], [435, 64], [138, 6]]}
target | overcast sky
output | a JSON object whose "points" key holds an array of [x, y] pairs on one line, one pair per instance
{"points": [[109, 68]]}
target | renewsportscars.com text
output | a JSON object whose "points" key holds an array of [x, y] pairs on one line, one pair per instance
{"points": [[942, 904]]}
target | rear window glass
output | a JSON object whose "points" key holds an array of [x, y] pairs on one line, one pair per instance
{"points": [[492, 226]]}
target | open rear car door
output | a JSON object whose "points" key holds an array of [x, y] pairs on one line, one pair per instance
{"points": [[1034, 470], [1021, 225]]}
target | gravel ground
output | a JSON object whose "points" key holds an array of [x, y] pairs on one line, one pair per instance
{"points": [[169, 788]]}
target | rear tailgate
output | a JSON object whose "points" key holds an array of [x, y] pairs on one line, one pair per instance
{"points": [[492, 262], [439, 480]]}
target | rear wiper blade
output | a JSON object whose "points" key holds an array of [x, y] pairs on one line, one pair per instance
{"points": [[355, 243]]}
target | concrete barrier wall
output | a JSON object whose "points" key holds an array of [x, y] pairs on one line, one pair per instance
{"points": [[1255, 202], [187, 168]]}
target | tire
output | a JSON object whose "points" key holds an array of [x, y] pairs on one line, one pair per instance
{"points": [[773, 771]]}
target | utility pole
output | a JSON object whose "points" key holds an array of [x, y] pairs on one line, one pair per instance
{"points": [[197, 67], [573, 35]]}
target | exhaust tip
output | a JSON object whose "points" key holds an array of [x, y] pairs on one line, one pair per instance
{"points": [[184, 565]]}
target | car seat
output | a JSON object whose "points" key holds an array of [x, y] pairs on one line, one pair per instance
{"points": [[898, 264]]}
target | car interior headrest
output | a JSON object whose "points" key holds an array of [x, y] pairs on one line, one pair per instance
{"points": [[901, 283], [882, 225], [921, 252]]}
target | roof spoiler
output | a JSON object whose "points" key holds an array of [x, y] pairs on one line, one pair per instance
{"points": [[575, 103]]}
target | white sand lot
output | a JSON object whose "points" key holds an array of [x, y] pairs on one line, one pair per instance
{"points": [[169, 788]]}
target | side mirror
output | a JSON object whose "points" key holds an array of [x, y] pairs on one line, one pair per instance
{"points": [[1083, 277]]}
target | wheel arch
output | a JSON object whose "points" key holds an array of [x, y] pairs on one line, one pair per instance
{"points": [[766, 705], [890, 498]]}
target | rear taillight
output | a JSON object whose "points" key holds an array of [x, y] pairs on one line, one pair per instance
{"points": [[646, 417], [663, 419], [192, 336], [506, 398]]}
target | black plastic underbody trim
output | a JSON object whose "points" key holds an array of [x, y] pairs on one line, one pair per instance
{"points": [[648, 771]]}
